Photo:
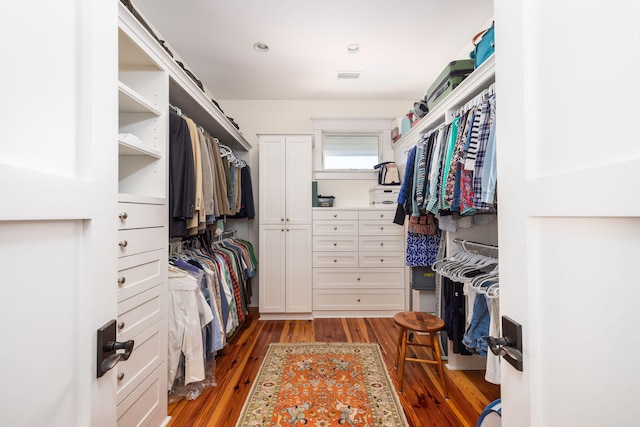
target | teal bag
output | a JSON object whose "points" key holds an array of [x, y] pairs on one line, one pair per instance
{"points": [[483, 48]]}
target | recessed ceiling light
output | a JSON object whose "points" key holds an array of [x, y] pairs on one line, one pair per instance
{"points": [[261, 47], [353, 48]]}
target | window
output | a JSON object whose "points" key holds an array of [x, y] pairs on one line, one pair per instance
{"points": [[350, 151], [348, 148]]}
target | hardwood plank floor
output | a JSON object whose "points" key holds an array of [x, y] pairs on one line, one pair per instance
{"points": [[422, 398]]}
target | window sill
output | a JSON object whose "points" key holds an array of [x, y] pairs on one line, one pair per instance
{"points": [[346, 174]]}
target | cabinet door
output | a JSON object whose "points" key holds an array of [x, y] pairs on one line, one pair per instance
{"points": [[272, 179], [298, 275], [272, 272], [298, 179]]}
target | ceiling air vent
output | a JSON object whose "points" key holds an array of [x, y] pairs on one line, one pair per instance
{"points": [[349, 74]]}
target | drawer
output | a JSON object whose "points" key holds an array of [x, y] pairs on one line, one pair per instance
{"points": [[357, 299], [335, 228], [381, 259], [379, 228], [378, 214], [331, 278], [140, 312], [335, 243], [137, 273], [335, 259], [146, 404], [331, 214], [148, 352], [132, 242], [381, 243], [140, 215]]}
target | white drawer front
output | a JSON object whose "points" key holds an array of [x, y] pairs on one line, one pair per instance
{"points": [[137, 273], [334, 215], [381, 243], [335, 228], [381, 259], [380, 228], [377, 214], [145, 405], [357, 299], [139, 312], [330, 278], [140, 215], [337, 259], [335, 243], [132, 242], [149, 349]]}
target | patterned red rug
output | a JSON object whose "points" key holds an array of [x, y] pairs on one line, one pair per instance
{"points": [[323, 384]]}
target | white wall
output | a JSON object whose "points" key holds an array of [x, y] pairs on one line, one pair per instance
{"points": [[294, 116]]}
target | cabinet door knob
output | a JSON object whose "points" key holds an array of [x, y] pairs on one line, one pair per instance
{"points": [[287, 219], [282, 219], [282, 229], [121, 280], [123, 243], [120, 376], [121, 325], [123, 215], [287, 229]]}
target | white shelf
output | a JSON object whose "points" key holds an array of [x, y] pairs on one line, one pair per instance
{"points": [[130, 101], [132, 148]]}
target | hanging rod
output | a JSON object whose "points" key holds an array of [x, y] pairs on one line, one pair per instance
{"points": [[463, 243]]}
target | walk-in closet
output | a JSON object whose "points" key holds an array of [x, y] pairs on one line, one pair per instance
{"points": [[232, 214]]}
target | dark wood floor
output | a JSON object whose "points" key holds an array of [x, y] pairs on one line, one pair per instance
{"points": [[422, 399]]}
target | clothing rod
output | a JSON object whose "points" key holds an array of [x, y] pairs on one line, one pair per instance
{"points": [[463, 242]]}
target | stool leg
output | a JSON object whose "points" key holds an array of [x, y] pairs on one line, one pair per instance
{"points": [[403, 351], [399, 346], [436, 346]]}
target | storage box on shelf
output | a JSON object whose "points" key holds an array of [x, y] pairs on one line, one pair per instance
{"points": [[358, 259]]}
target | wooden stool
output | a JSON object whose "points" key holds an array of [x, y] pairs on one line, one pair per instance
{"points": [[419, 322]]}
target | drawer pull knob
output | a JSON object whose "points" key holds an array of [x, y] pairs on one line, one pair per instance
{"points": [[282, 229], [335, 244], [287, 219], [358, 299], [381, 228], [335, 260], [121, 325], [382, 244], [123, 215], [121, 280], [287, 229], [381, 215], [382, 260], [282, 219], [123, 243], [120, 376], [335, 215], [358, 279], [335, 228]]}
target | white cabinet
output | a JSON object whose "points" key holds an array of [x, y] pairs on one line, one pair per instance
{"points": [[285, 247], [358, 263], [143, 94]]}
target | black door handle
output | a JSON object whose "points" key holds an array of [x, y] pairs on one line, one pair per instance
{"points": [[509, 346], [107, 357]]}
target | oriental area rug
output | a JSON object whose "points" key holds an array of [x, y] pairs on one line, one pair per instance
{"points": [[323, 385]]}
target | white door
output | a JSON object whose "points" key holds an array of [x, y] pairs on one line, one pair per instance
{"points": [[272, 292], [58, 179], [298, 268], [298, 177], [569, 230], [272, 179]]}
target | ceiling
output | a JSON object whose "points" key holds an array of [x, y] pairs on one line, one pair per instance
{"points": [[404, 45]]}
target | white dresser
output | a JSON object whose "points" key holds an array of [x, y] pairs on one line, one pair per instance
{"points": [[358, 263]]}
